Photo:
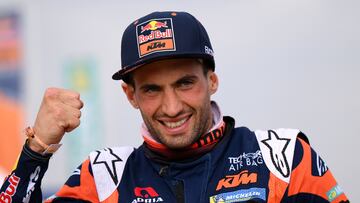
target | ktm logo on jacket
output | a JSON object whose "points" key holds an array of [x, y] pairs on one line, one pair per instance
{"points": [[230, 181]]}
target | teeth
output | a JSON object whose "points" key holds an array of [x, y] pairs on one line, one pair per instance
{"points": [[175, 124]]}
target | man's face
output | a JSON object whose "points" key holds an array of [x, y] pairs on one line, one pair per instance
{"points": [[174, 100]]}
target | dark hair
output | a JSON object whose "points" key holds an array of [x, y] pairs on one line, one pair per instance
{"points": [[128, 79], [206, 64]]}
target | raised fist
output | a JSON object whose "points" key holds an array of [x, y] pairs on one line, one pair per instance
{"points": [[59, 113]]}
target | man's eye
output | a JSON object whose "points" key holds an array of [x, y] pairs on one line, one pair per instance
{"points": [[150, 90], [186, 84]]}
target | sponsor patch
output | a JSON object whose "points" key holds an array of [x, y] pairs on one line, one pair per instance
{"points": [[10, 190], [209, 51], [107, 167], [243, 178], [239, 196], [277, 147], [334, 193], [245, 159], [146, 194], [34, 177], [155, 35], [211, 137], [108, 158]]}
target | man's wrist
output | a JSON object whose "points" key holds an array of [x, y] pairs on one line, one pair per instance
{"points": [[34, 146], [38, 146], [35, 154]]}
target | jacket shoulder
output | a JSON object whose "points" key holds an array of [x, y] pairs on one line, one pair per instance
{"points": [[107, 166], [277, 147]]}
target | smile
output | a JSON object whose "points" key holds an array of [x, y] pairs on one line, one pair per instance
{"points": [[175, 124]]}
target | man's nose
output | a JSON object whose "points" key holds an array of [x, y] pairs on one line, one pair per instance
{"points": [[171, 103]]}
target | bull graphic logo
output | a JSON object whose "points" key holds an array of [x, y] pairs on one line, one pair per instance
{"points": [[153, 25], [146, 194], [277, 148]]}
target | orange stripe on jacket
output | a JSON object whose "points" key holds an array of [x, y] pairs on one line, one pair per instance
{"points": [[302, 181], [277, 188], [86, 190]]}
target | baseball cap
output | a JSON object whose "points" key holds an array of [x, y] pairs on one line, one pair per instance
{"points": [[163, 35]]}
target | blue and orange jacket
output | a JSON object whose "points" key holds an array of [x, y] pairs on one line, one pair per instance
{"points": [[244, 166]]}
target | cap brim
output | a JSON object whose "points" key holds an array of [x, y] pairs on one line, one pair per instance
{"points": [[119, 75]]}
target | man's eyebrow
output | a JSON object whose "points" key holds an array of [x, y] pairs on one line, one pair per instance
{"points": [[178, 81], [149, 86], [186, 78]]}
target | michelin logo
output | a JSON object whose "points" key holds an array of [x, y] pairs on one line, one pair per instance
{"points": [[239, 196]]}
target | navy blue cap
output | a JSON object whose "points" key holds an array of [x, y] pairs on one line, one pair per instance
{"points": [[163, 35]]}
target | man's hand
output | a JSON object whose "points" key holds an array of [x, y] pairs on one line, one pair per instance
{"points": [[59, 113]]}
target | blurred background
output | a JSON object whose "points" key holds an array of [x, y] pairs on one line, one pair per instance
{"points": [[281, 63]]}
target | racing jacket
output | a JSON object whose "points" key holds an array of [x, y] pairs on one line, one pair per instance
{"points": [[243, 166]]}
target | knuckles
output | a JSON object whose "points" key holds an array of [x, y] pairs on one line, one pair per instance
{"points": [[57, 93], [78, 114], [62, 124], [72, 124], [51, 93], [76, 122], [57, 107]]}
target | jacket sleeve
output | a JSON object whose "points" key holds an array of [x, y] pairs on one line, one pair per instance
{"points": [[80, 187], [311, 180], [24, 182]]}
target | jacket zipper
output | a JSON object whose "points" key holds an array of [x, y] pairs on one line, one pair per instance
{"points": [[179, 191]]}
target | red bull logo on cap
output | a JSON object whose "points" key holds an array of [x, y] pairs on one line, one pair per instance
{"points": [[153, 25], [154, 36]]}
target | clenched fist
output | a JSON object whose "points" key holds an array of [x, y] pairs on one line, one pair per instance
{"points": [[59, 113]]}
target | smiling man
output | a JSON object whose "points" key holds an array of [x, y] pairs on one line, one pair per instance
{"points": [[175, 104], [191, 152]]}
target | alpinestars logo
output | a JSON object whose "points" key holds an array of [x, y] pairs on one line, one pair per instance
{"points": [[278, 156], [146, 195], [34, 177], [104, 158]]}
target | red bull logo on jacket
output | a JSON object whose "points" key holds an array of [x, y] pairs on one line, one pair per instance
{"points": [[154, 36], [6, 197]]}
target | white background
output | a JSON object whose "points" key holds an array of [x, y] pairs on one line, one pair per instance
{"points": [[281, 63]]}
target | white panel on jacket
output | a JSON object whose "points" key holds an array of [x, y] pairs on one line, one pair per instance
{"points": [[108, 165], [277, 147]]}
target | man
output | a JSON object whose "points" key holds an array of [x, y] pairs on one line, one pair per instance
{"points": [[191, 153]]}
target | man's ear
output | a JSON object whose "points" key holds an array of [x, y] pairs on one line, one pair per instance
{"points": [[129, 90], [213, 82]]}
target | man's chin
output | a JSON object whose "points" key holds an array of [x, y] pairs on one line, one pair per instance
{"points": [[178, 144]]}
